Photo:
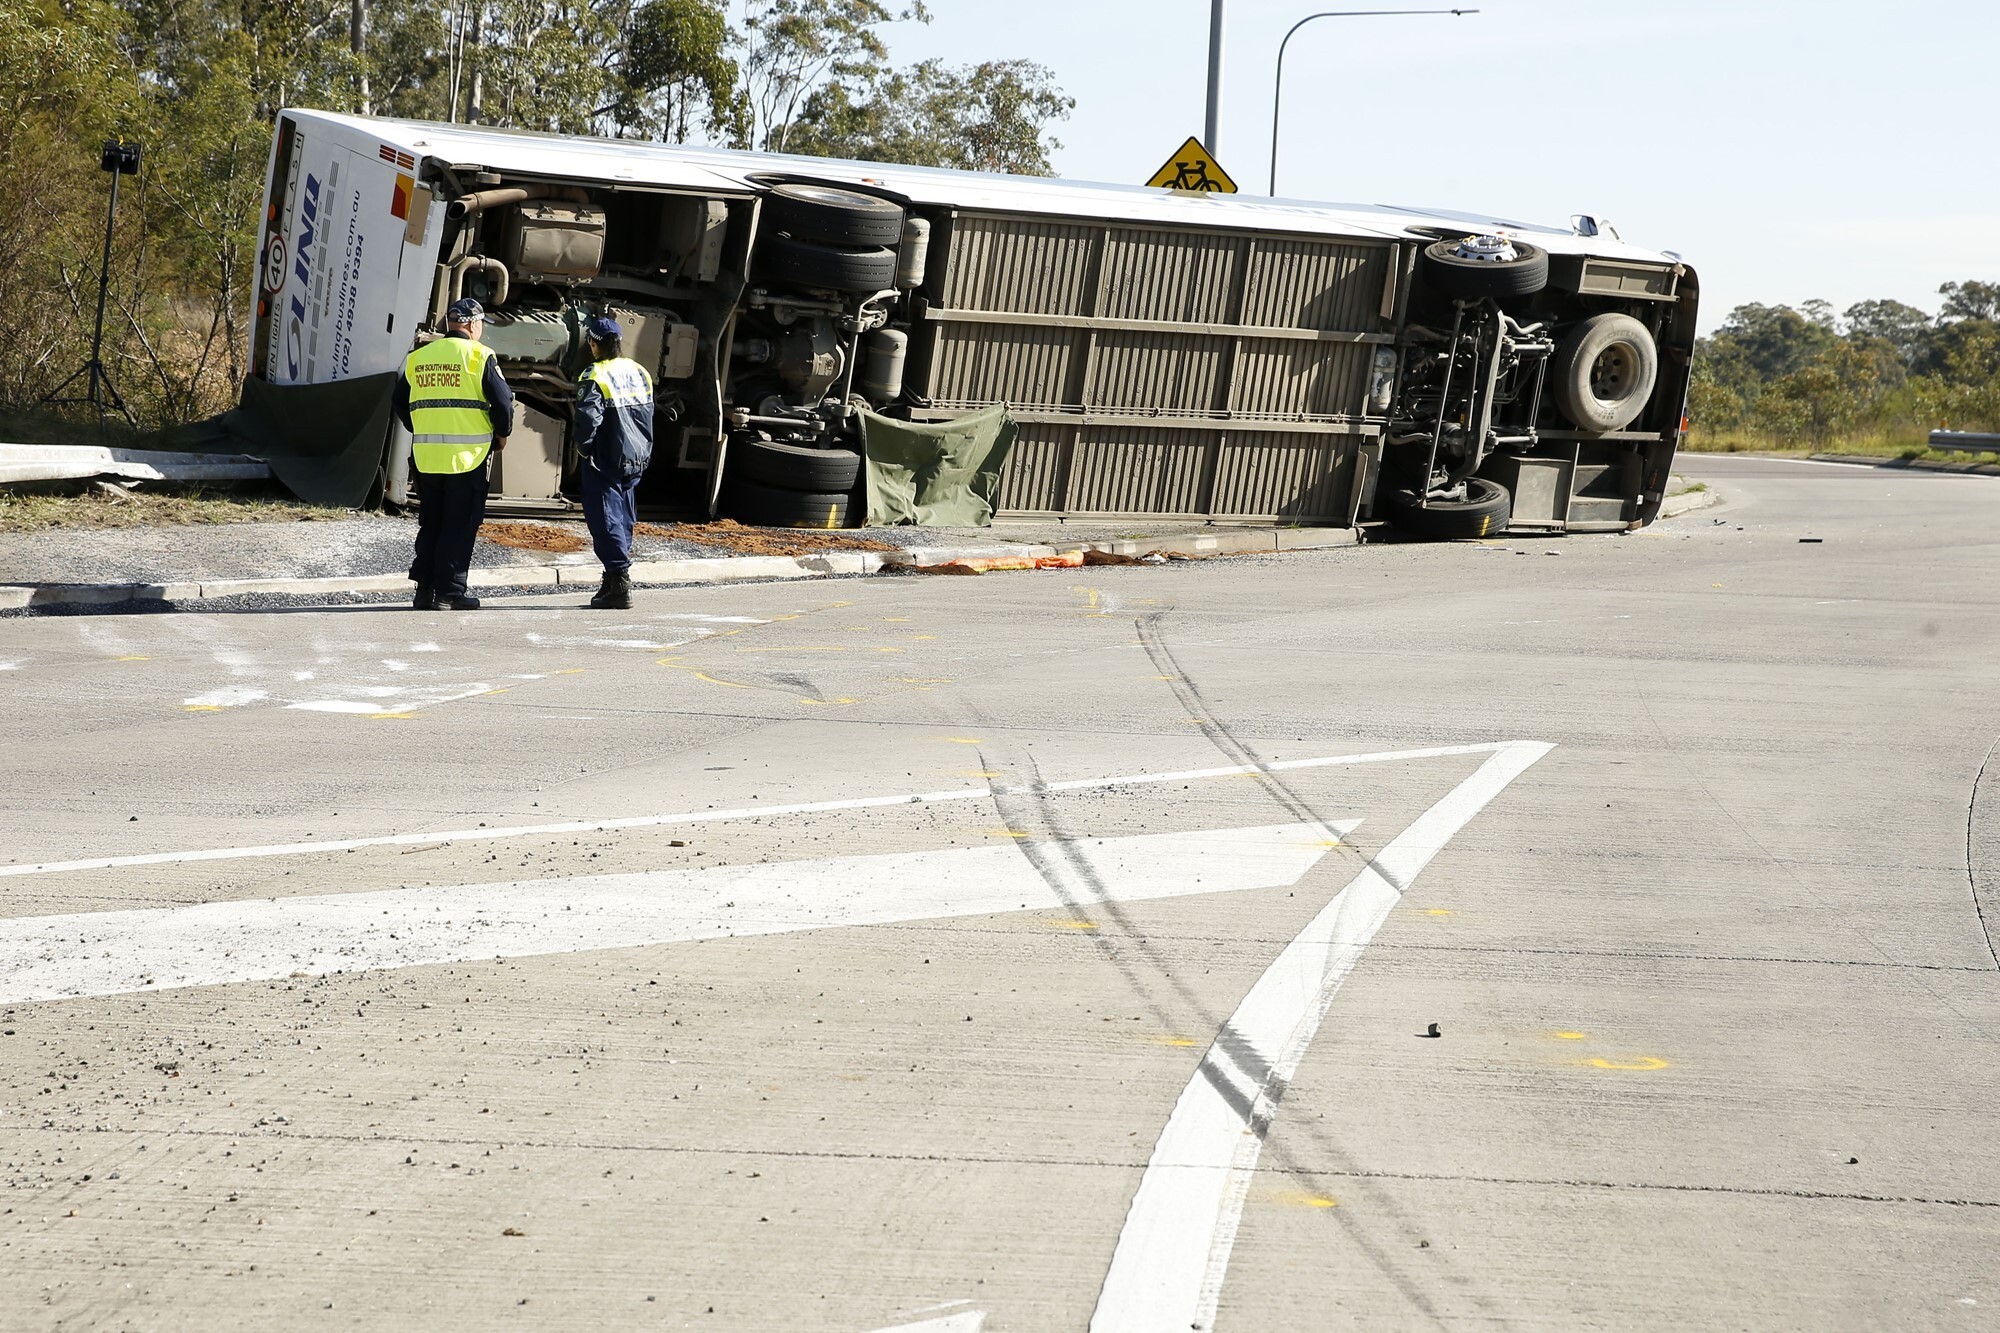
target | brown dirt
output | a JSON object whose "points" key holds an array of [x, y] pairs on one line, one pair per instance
{"points": [[729, 535], [532, 537]]}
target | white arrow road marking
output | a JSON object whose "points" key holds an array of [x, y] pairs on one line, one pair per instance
{"points": [[111, 953], [717, 816], [1174, 1249]]}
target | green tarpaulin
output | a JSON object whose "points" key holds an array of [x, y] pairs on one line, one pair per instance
{"points": [[941, 474], [323, 441]]}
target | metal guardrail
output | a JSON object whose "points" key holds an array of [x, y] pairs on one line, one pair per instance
{"points": [[58, 462], [1965, 441]]}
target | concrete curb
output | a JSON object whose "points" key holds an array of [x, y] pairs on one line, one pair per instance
{"points": [[1687, 502], [668, 573]]}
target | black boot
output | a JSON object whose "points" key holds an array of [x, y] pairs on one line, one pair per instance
{"points": [[615, 593], [459, 601], [426, 598]]}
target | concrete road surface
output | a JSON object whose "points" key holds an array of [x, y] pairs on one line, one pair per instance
{"points": [[1538, 933]]}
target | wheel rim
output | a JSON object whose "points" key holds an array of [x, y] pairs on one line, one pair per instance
{"points": [[1613, 374]]}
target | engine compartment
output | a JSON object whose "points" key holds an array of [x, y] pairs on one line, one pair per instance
{"points": [[782, 349]]}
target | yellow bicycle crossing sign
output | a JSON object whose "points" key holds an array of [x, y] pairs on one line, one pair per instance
{"points": [[1193, 167]]}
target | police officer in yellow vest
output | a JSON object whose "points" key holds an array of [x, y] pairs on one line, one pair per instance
{"points": [[614, 437], [458, 409]]}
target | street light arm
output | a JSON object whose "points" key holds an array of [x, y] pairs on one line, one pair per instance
{"points": [[1278, 82]]}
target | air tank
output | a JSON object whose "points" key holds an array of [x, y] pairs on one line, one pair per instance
{"points": [[884, 352], [913, 254]]}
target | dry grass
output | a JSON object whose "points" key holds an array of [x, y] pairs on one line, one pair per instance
{"points": [[45, 507]]}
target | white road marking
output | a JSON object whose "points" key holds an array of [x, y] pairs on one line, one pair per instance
{"points": [[713, 620], [113, 953], [1690, 458], [1173, 1251], [394, 699], [743, 812], [229, 696], [14, 665], [960, 1321]]}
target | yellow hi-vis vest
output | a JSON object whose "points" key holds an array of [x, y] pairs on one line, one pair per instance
{"points": [[450, 428], [623, 382]]}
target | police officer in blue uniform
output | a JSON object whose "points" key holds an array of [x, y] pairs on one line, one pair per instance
{"points": [[614, 437], [458, 410]]}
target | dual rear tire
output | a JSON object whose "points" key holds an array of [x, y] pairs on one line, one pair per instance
{"points": [[771, 484]]}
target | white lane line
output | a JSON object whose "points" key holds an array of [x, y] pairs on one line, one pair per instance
{"points": [[716, 816], [1173, 1251], [962, 1321], [113, 953], [1690, 460]]}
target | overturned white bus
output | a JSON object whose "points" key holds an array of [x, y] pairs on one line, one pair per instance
{"points": [[1162, 354]]}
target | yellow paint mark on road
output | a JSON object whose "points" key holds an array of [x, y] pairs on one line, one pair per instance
{"points": [[201, 708], [134, 658], [1440, 911], [701, 675], [917, 638], [896, 620], [1005, 833], [1715, 585], [1644, 1062], [1173, 1041], [1090, 599], [835, 606], [843, 700], [387, 717], [1076, 923], [1199, 721], [502, 690], [1571, 1036], [961, 740], [1325, 842], [1303, 1199], [571, 671], [979, 773], [1166, 678]]}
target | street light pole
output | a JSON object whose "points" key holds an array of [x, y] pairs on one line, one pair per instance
{"points": [[1278, 83], [1212, 123]]}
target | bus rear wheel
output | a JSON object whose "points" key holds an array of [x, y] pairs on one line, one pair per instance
{"points": [[1484, 512]]}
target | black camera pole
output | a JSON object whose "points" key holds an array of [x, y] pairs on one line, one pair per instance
{"points": [[120, 159]]}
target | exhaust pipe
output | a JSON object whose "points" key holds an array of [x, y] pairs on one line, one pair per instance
{"points": [[479, 201]]}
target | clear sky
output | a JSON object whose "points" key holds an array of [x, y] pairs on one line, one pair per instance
{"points": [[1789, 150]]}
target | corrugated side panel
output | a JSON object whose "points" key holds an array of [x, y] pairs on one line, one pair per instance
{"points": [[1032, 479], [1298, 284], [1174, 276], [1139, 470], [1013, 263], [1285, 476], [1314, 379], [1158, 372], [993, 363]]}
